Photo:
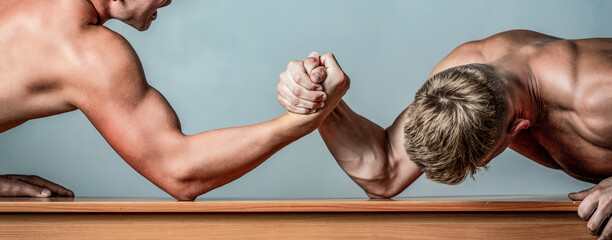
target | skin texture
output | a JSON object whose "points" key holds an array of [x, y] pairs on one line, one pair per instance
{"points": [[58, 57], [559, 95]]}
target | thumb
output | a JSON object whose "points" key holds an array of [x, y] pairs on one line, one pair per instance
{"points": [[580, 195]]}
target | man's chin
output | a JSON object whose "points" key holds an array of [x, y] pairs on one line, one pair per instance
{"points": [[142, 27]]}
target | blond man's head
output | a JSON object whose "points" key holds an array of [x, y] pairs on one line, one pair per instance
{"points": [[455, 122]]}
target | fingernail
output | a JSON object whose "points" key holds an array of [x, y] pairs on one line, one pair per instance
{"points": [[45, 193], [321, 105], [324, 97], [318, 88], [313, 111], [317, 77]]}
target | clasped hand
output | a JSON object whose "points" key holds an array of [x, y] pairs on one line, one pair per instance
{"points": [[310, 85]]}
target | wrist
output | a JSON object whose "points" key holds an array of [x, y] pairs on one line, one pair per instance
{"points": [[338, 115], [299, 124]]}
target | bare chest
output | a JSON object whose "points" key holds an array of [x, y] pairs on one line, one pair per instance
{"points": [[572, 151]]}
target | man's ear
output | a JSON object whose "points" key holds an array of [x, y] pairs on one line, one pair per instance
{"points": [[517, 125]]}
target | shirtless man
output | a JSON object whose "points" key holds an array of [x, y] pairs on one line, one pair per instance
{"points": [[58, 57], [549, 99]]}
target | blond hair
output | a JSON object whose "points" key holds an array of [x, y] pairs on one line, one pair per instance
{"points": [[455, 121]]}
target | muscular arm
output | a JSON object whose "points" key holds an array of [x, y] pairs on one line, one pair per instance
{"points": [[375, 158], [372, 156], [143, 129]]}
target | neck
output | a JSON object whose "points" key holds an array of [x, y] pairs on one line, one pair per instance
{"points": [[101, 9], [523, 89]]}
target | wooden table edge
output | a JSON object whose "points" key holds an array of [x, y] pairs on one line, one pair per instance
{"points": [[285, 206]]}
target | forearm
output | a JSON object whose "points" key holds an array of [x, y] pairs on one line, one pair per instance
{"points": [[214, 158], [359, 146]]}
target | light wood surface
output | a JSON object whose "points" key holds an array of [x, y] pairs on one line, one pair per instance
{"points": [[488, 217]]}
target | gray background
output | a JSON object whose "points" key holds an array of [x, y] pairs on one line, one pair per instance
{"points": [[217, 62]]}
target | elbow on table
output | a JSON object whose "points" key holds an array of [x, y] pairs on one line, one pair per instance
{"points": [[380, 194], [183, 185], [182, 195], [183, 190]]}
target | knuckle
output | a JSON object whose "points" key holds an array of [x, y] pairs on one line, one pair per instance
{"points": [[297, 78], [291, 63], [295, 101], [296, 91], [314, 97], [296, 110], [582, 212], [310, 61], [596, 192], [309, 104], [321, 97], [341, 80]]}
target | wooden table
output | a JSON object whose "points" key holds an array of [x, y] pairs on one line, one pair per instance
{"points": [[502, 217]]}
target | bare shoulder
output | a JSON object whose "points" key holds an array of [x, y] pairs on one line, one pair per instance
{"points": [[50, 12], [501, 44], [520, 37], [105, 64], [466, 53]]}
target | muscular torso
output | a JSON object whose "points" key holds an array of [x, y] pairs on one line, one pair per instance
{"points": [[575, 78], [574, 131], [40, 45]]}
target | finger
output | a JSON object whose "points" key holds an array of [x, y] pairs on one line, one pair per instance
{"points": [[601, 213], [297, 73], [314, 54], [309, 96], [291, 108], [18, 188], [318, 74], [55, 188], [311, 62], [312, 99], [288, 89], [298, 91], [588, 206], [580, 195], [328, 60], [291, 92], [297, 105], [605, 230]]}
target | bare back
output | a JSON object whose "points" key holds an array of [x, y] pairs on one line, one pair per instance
{"points": [[40, 48], [574, 132]]}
